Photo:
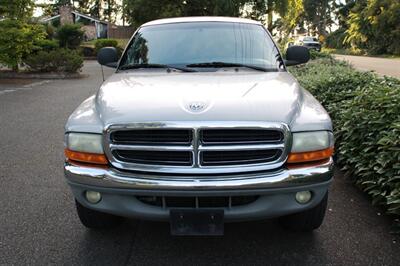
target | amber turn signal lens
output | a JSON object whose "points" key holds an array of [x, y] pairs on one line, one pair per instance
{"points": [[86, 157], [301, 157]]}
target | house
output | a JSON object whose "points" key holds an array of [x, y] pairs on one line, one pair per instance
{"points": [[94, 28]]}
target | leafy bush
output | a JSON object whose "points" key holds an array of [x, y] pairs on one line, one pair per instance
{"points": [[100, 43], [70, 36], [314, 54], [365, 111], [46, 45], [50, 30], [60, 60], [88, 50], [17, 40]]}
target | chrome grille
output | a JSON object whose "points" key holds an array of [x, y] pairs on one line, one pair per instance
{"points": [[183, 158], [240, 136], [152, 136], [200, 148], [221, 158]]}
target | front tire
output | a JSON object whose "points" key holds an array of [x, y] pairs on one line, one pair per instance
{"points": [[96, 220], [308, 220]]}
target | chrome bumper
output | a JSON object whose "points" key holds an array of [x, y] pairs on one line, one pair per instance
{"points": [[284, 178]]}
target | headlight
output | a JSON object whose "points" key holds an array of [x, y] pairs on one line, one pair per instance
{"points": [[83, 147], [91, 143], [311, 141], [311, 146]]}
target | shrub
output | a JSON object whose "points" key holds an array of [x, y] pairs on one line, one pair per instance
{"points": [[314, 54], [70, 36], [50, 30], [46, 45], [100, 43], [17, 41], [88, 50], [60, 60], [365, 111]]}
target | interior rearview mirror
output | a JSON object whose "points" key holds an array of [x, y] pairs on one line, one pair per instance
{"points": [[108, 56], [296, 55]]}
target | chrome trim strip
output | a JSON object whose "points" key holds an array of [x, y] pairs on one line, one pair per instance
{"points": [[196, 147], [150, 148], [242, 147], [283, 178]]}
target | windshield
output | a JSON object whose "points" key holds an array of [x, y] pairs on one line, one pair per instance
{"points": [[194, 43]]}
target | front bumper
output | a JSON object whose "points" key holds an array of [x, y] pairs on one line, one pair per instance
{"points": [[276, 190]]}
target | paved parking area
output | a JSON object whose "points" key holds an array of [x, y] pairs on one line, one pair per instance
{"points": [[39, 226], [382, 66]]}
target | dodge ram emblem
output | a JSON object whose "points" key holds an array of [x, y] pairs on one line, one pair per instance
{"points": [[197, 106]]}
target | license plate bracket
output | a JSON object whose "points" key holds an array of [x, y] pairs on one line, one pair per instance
{"points": [[196, 222]]}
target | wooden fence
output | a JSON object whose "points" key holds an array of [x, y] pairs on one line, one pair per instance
{"points": [[120, 32]]}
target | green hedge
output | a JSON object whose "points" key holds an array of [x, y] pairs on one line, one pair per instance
{"points": [[365, 110], [100, 43], [59, 60]]}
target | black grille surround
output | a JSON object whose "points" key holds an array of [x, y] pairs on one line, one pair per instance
{"points": [[177, 149]]}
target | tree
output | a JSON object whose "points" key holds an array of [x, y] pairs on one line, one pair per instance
{"points": [[70, 36], [374, 25], [95, 9], [17, 40], [138, 12], [291, 19], [212, 7], [318, 15], [262, 10], [16, 9], [110, 10]]}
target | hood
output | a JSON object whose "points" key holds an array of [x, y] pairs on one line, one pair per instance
{"points": [[201, 96]]}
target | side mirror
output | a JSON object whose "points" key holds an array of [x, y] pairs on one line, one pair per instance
{"points": [[296, 55], [108, 56]]}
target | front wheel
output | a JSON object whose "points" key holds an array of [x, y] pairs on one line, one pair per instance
{"points": [[96, 220], [308, 220]]}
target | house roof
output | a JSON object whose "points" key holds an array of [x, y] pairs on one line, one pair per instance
{"points": [[76, 14]]}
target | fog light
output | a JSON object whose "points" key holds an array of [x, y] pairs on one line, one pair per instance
{"points": [[303, 197], [93, 196]]}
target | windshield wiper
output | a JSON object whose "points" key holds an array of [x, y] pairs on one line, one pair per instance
{"points": [[225, 64], [137, 66]]}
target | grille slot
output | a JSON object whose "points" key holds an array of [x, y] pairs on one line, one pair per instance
{"points": [[153, 136], [240, 136], [197, 202], [176, 158], [220, 158]]}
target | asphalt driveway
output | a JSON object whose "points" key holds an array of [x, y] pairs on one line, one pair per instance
{"points": [[382, 66], [39, 226]]}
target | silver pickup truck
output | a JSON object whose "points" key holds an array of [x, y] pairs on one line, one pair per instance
{"points": [[201, 124]]}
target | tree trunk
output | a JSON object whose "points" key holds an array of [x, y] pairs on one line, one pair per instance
{"points": [[270, 14]]}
